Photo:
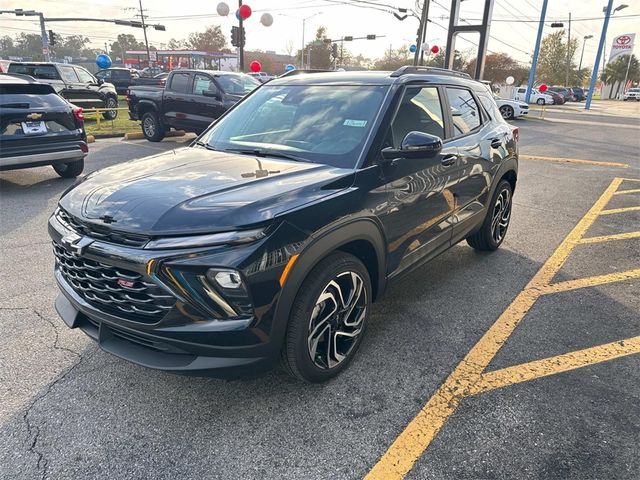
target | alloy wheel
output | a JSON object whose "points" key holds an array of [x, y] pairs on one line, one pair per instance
{"points": [[149, 127], [337, 320], [501, 215], [112, 103], [506, 112]]}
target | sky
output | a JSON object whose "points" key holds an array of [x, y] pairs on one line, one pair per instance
{"points": [[513, 29]]}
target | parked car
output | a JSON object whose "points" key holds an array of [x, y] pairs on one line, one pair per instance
{"points": [[123, 78], [269, 238], [509, 109], [191, 100], [632, 94], [558, 99], [579, 93], [74, 83], [536, 96], [150, 72], [38, 127], [564, 91], [262, 77]]}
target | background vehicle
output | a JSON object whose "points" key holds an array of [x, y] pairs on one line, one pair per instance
{"points": [[150, 72], [191, 100], [564, 91], [536, 96], [262, 77], [579, 94], [632, 94], [557, 98], [269, 238], [509, 109], [74, 83], [38, 127], [123, 78]]}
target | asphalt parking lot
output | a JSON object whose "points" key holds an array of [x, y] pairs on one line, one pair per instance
{"points": [[523, 363]]}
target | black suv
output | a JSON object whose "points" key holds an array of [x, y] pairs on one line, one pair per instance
{"points": [[270, 237], [74, 83]]}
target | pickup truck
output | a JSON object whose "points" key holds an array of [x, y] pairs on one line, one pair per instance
{"points": [[73, 83], [190, 100], [124, 78]]}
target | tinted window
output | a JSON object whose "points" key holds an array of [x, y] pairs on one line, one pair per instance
{"points": [[237, 84], [420, 111], [68, 74], [120, 75], [43, 72], [84, 76], [29, 96], [464, 111], [180, 82], [490, 106], [104, 74], [522, 90], [202, 83], [318, 124]]}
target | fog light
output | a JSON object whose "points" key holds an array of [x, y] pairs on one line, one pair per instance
{"points": [[225, 278]]}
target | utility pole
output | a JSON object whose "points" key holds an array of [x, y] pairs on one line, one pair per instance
{"points": [[568, 53], [144, 30], [534, 62], [584, 40], [45, 39], [422, 32]]}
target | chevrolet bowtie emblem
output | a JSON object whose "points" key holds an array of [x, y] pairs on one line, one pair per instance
{"points": [[34, 116], [76, 243]]}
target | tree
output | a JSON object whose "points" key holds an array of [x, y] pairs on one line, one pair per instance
{"points": [[317, 53], [177, 44], [29, 45], [7, 47], [211, 40], [614, 73], [125, 42], [552, 60], [499, 66], [394, 59]]}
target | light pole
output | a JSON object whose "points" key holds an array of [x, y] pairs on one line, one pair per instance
{"points": [[304, 21], [584, 40], [568, 52], [536, 51], [603, 36]]}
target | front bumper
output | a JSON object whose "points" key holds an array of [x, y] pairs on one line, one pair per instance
{"points": [[183, 340]]}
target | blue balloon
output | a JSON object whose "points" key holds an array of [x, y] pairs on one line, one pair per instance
{"points": [[413, 48], [103, 61], [288, 67], [238, 14]]}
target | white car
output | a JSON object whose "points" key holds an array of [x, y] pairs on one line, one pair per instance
{"points": [[536, 96], [632, 94], [508, 108]]}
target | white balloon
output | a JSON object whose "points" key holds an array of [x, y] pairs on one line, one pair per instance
{"points": [[510, 80], [266, 19], [222, 9], [425, 47]]}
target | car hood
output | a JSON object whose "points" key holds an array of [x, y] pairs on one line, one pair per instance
{"points": [[195, 190]]}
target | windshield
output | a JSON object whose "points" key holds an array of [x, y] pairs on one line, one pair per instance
{"points": [[237, 84], [321, 124]]}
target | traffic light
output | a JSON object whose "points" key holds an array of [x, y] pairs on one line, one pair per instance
{"points": [[334, 50], [238, 37], [52, 38], [371, 37], [348, 38]]}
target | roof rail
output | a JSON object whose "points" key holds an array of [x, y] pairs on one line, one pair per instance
{"points": [[408, 69], [291, 73]]}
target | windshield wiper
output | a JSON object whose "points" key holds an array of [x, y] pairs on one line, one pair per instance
{"points": [[205, 145], [266, 153]]}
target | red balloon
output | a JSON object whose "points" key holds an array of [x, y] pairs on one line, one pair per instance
{"points": [[435, 49], [255, 66], [542, 88], [245, 12]]}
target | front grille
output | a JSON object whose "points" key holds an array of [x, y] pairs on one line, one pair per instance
{"points": [[104, 234], [138, 299]]}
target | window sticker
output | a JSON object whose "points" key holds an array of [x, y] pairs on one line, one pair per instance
{"points": [[355, 123]]}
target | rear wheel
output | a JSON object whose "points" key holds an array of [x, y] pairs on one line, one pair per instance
{"points": [[495, 225], [507, 112], [70, 169], [328, 319], [540, 101], [152, 129], [111, 102]]}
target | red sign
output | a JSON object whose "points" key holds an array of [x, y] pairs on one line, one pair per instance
{"points": [[623, 39]]}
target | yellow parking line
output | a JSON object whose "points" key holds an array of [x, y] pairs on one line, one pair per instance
{"points": [[407, 448], [631, 179], [620, 210], [558, 364], [622, 192], [573, 160], [609, 238], [590, 281]]}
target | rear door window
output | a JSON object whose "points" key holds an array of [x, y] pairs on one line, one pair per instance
{"points": [[180, 82], [464, 111]]}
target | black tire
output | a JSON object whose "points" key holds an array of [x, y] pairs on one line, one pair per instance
{"points": [[70, 169], [152, 128], [112, 102], [296, 356], [540, 101], [507, 112], [490, 237]]}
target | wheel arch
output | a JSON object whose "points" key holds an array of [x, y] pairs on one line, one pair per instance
{"points": [[145, 107]]}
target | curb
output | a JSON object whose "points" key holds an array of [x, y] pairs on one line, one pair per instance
{"points": [[140, 135]]}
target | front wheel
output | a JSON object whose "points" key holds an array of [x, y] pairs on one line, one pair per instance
{"points": [[507, 112], [328, 319], [111, 102], [70, 169], [151, 127], [540, 101], [495, 225]]}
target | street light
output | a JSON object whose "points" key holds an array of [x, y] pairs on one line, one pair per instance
{"points": [[304, 20], [584, 40]]}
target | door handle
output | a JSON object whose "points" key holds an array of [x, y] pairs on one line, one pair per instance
{"points": [[496, 143], [449, 160]]}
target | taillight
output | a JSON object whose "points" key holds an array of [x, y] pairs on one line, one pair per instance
{"points": [[77, 113], [516, 133], [84, 147]]}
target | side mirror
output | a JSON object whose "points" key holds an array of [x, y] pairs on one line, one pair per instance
{"points": [[415, 145], [100, 81], [212, 93]]}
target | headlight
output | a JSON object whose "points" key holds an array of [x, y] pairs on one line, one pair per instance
{"points": [[224, 238]]}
